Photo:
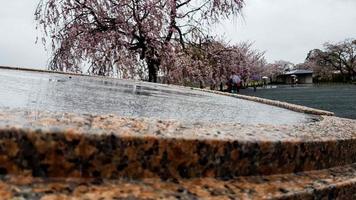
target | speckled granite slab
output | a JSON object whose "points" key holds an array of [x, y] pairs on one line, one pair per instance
{"points": [[335, 183], [70, 145], [59, 155]]}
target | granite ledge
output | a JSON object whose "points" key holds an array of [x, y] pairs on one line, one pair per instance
{"points": [[70, 145], [325, 128], [334, 183]]}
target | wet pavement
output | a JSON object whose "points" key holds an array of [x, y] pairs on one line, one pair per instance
{"points": [[338, 98], [37, 91]]}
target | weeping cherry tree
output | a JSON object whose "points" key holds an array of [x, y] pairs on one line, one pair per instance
{"points": [[128, 37]]}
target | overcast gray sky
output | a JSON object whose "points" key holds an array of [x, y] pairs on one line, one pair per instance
{"points": [[18, 35], [285, 29]]}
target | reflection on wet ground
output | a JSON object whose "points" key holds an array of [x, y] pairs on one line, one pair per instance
{"points": [[79, 94]]}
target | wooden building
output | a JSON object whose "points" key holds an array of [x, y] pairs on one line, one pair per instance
{"points": [[300, 76]]}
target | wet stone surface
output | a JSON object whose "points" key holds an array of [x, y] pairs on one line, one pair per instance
{"points": [[63, 93]]}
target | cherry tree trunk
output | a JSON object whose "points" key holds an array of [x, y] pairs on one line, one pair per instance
{"points": [[153, 66]]}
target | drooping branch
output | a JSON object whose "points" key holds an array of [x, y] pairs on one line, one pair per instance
{"points": [[114, 35]]}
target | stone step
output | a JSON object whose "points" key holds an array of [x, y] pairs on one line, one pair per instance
{"points": [[334, 183], [48, 144]]}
